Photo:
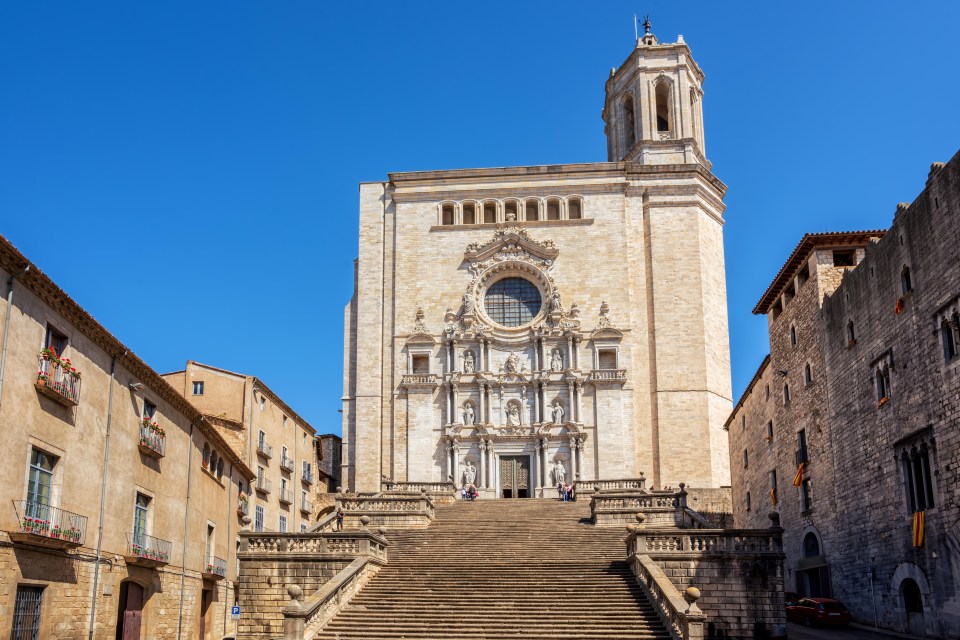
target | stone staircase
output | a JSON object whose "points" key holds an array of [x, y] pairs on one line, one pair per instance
{"points": [[495, 569]]}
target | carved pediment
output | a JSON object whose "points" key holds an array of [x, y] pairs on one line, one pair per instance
{"points": [[511, 239]]}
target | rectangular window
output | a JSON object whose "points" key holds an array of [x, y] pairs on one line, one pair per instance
{"points": [[917, 477], [748, 501], [258, 518], [210, 530], [607, 358], [773, 479], [261, 438], [770, 430], [149, 409], [746, 459], [802, 455], [283, 486], [140, 511], [55, 340], [844, 258], [420, 364], [303, 527], [39, 482], [198, 388], [283, 524], [307, 471], [284, 422], [806, 496], [26, 613]]}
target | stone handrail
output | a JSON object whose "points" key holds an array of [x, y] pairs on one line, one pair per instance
{"points": [[419, 380], [302, 620], [679, 613], [325, 524], [362, 542], [429, 487], [608, 375], [602, 485], [400, 503], [705, 541], [635, 501]]}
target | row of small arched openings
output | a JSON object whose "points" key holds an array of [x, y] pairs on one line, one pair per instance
{"points": [[511, 209], [212, 461]]}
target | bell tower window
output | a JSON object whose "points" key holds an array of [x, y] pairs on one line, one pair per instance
{"points": [[663, 107], [629, 120]]}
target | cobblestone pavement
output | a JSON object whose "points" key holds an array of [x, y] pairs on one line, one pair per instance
{"points": [[799, 632]]}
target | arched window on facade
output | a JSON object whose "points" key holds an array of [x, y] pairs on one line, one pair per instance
{"points": [[531, 209], [786, 394], [489, 212], [574, 208], [807, 374], [469, 213], [883, 383], [664, 115], [793, 336], [906, 285], [446, 214], [629, 122], [206, 455], [511, 210], [220, 468], [949, 330], [811, 546], [553, 209]]}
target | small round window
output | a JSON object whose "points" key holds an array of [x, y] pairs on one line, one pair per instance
{"points": [[512, 302]]}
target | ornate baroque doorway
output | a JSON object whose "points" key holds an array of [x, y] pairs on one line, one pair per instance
{"points": [[515, 476]]}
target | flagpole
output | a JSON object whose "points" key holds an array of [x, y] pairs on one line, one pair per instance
{"points": [[636, 34]]}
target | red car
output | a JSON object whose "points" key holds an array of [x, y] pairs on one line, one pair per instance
{"points": [[813, 611]]}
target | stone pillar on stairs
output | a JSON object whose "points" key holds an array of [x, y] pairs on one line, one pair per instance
{"points": [[483, 463], [543, 467], [535, 472], [574, 460], [456, 463]]}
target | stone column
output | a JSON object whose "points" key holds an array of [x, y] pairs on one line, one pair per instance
{"points": [[536, 402], [455, 388], [574, 466], [449, 364], [490, 455], [578, 399], [483, 462], [543, 467], [569, 352], [523, 404], [457, 358], [449, 406], [536, 471], [500, 416], [576, 352], [482, 418], [449, 465], [580, 457], [536, 355], [573, 400], [456, 463]]}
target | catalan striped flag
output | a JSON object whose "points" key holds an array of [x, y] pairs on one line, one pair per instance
{"points": [[918, 528], [798, 479], [773, 496]]}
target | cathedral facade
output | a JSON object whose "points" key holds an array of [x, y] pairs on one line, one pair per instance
{"points": [[512, 328]]}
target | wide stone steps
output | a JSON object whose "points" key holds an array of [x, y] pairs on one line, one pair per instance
{"points": [[502, 569]]}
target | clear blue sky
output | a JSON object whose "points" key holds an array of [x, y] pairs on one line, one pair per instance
{"points": [[188, 171]]}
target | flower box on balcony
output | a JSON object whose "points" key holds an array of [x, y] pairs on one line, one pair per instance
{"points": [[45, 526], [216, 569], [153, 439], [147, 551], [57, 378]]}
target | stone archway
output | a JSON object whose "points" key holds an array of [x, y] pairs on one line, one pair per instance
{"points": [[911, 592], [812, 570]]}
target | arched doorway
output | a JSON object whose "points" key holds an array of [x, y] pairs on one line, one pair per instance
{"points": [[129, 611], [813, 574], [913, 604]]}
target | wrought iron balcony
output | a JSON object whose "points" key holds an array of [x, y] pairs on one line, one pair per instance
{"points": [[286, 462], [264, 449], [306, 506], [216, 568], [264, 485], [147, 551], [286, 496], [44, 526], [58, 379], [153, 439]]}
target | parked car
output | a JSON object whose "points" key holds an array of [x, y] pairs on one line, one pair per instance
{"points": [[790, 598], [813, 611]]}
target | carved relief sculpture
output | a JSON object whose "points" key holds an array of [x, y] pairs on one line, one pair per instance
{"points": [[512, 365], [513, 414], [556, 360]]}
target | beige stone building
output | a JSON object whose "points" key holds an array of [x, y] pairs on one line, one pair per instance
{"points": [[120, 501], [271, 437], [859, 401], [515, 327]]}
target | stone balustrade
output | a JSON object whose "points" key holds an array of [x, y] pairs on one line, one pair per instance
{"points": [[662, 509], [361, 542], [586, 487], [304, 619], [386, 509], [439, 492], [704, 541], [680, 613], [419, 380]]}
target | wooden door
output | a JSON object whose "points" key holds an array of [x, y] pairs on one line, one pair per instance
{"points": [[515, 476], [206, 600], [133, 611]]}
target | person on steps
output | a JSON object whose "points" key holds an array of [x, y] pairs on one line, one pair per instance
{"points": [[339, 519]]}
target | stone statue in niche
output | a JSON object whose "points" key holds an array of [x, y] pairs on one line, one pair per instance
{"points": [[513, 414], [559, 472], [469, 474], [468, 414], [512, 365], [557, 412], [556, 360], [468, 363]]}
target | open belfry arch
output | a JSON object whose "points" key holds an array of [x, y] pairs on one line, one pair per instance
{"points": [[513, 328]]}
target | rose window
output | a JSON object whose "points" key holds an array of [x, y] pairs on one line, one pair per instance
{"points": [[512, 302]]}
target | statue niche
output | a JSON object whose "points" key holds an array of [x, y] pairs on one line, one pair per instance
{"points": [[556, 412], [513, 414], [469, 363], [556, 360], [469, 415]]}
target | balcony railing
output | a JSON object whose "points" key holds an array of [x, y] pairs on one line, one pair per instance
{"points": [[802, 456], [608, 375], [286, 496], [264, 485], [58, 379], [307, 476], [286, 462], [216, 568], [46, 526], [153, 439], [264, 449], [147, 551], [306, 506]]}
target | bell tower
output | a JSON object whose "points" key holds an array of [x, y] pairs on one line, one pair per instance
{"points": [[653, 107]]}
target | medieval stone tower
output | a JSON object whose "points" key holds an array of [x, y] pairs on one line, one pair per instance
{"points": [[518, 326]]}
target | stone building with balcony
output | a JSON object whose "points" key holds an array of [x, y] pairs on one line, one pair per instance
{"points": [[850, 427], [120, 499], [273, 440], [512, 328]]}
